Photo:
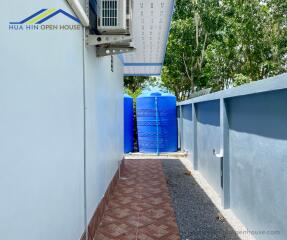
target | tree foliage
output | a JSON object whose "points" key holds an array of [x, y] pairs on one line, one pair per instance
{"points": [[134, 85], [218, 43]]}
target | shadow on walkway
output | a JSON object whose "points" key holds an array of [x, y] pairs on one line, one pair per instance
{"points": [[196, 215]]}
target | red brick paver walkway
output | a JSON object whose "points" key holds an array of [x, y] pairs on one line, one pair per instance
{"points": [[140, 207]]}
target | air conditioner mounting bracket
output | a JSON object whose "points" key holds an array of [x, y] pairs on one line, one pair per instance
{"points": [[113, 50], [95, 40]]}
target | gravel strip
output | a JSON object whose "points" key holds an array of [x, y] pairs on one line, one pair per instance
{"points": [[197, 217]]}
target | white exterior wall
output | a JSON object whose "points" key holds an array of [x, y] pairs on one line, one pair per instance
{"points": [[104, 124], [42, 127]]}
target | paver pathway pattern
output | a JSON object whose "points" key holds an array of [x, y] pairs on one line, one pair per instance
{"points": [[140, 207]]}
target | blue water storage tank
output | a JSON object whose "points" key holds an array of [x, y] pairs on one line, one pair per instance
{"points": [[128, 124], [156, 122]]}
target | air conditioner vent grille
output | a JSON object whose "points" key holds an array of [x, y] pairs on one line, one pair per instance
{"points": [[109, 13]]}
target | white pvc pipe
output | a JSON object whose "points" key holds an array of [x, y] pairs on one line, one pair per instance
{"points": [[79, 11]]}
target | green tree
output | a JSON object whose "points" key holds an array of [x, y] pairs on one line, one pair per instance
{"points": [[250, 44], [135, 85], [193, 28], [224, 43]]}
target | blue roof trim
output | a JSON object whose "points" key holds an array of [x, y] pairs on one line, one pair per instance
{"points": [[142, 64]]}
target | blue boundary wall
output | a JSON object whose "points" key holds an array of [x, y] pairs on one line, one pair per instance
{"points": [[241, 134]]}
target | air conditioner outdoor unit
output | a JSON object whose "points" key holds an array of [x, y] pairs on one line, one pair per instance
{"points": [[114, 16], [112, 31]]}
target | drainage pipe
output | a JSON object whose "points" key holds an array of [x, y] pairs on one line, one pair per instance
{"points": [[85, 137], [157, 127], [80, 12]]}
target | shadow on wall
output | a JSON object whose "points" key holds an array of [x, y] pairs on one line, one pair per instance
{"points": [[187, 112], [187, 129], [197, 217], [209, 112], [208, 140], [261, 114]]}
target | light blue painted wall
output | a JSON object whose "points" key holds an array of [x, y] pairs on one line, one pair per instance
{"points": [[258, 157], [41, 127], [208, 138], [187, 129]]}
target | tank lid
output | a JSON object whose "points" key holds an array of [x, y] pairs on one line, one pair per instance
{"points": [[155, 94]]}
